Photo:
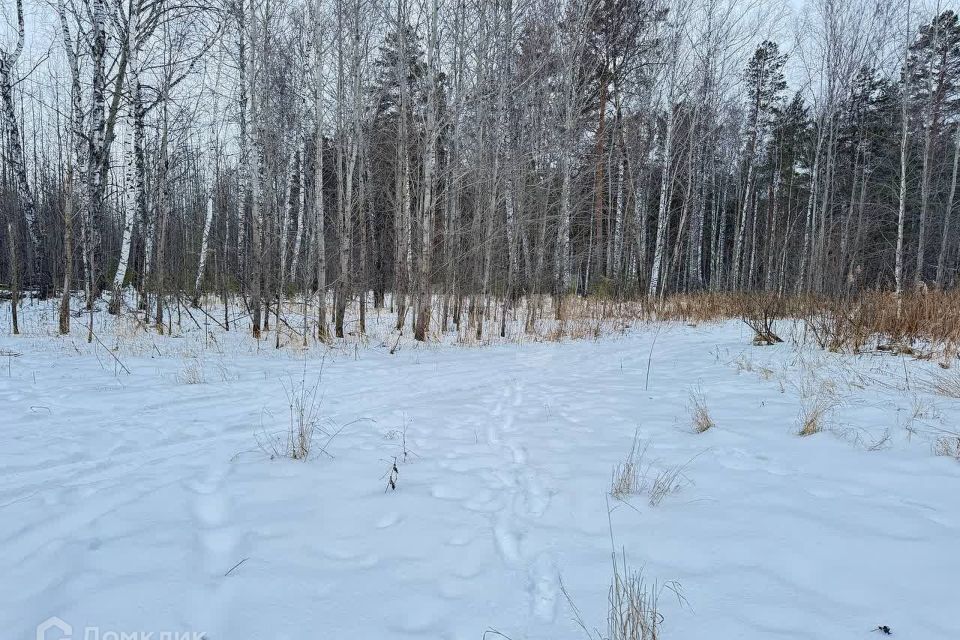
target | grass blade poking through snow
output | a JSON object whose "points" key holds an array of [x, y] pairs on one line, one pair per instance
{"points": [[632, 603], [305, 422], [630, 476], [699, 414], [813, 415]]}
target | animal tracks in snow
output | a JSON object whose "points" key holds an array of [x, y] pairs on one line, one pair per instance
{"points": [[526, 501], [130, 519], [217, 539], [544, 588]]}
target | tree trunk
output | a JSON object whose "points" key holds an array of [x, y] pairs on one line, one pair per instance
{"points": [[948, 212]]}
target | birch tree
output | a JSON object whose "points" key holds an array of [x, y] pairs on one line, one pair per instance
{"points": [[15, 155]]}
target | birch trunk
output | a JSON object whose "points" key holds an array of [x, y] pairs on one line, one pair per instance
{"points": [[806, 254], [427, 197], [255, 171], [948, 212], [97, 154], [161, 213], [318, 202], [663, 210], [243, 138], [128, 214], [345, 232], [319, 232], [616, 268], [15, 156], [204, 247], [904, 148], [562, 270], [403, 217], [930, 132], [301, 220], [67, 248], [134, 178], [735, 279]]}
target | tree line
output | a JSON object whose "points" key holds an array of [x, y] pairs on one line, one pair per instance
{"points": [[434, 155]]}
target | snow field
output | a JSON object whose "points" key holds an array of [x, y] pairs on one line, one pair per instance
{"points": [[127, 500]]}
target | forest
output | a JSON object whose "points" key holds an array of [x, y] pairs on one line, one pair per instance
{"points": [[479, 319], [433, 155]]}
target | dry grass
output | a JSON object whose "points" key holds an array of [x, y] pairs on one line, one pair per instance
{"points": [[665, 483], [945, 383], [924, 320], [632, 602], [192, 372], [296, 442], [922, 408], [832, 329], [699, 414], [702, 308], [879, 443], [633, 477], [813, 415], [632, 613], [632, 606], [629, 477], [744, 363], [947, 445], [304, 417]]}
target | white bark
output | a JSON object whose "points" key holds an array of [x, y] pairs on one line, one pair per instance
{"points": [[904, 147], [128, 213], [319, 230], [287, 214], [243, 170], [402, 194], [133, 150], [96, 137], [663, 210], [256, 169], [806, 255], [204, 246], [301, 220], [431, 131], [616, 269], [14, 147]]}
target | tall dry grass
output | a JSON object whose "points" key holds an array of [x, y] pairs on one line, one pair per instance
{"points": [[699, 413], [923, 322]]}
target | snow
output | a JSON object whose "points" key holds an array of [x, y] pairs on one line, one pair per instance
{"points": [[142, 502]]}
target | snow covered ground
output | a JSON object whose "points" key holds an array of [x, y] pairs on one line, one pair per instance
{"points": [[143, 501]]}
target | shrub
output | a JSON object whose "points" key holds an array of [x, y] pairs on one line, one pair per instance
{"points": [[192, 372], [296, 441], [947, 445], [759, 313], [304, 417]]}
